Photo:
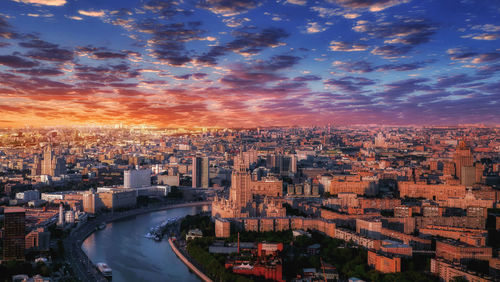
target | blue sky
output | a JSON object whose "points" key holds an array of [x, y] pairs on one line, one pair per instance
{"points": [[249, 63]]}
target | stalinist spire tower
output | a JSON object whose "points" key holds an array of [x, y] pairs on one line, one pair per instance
{"points": [[240, 193], [463, 157]]}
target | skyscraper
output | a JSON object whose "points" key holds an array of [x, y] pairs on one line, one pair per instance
{"points": [[240, 193], [293, 163], [463, 157], [60, 221], [14, 227], [47, 168], [37, 166], [200, 172], [52, 165]]}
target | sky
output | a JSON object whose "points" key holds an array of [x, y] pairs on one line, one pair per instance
{"points": [[247, 63]]}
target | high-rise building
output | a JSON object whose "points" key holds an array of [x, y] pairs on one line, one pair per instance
{"points": [[200, 172], [14, 229], [240, 193], [37, 166], [47, 168], [463, 157], [91, 202], [60, 221], [468, 176], [293, 163], [52, 165]]}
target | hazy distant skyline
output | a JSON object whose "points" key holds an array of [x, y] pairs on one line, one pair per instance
{"points": [[248, 63]]}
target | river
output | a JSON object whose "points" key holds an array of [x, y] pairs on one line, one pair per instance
{"points": [[134, 258]]}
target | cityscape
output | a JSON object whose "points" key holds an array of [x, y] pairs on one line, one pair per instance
{"points": [[245, 140]]}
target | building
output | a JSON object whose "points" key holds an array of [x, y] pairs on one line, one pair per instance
{"points": [[171, 180], [369, 227], [38, 239], [14, 233], [462, 158], [357, 186], [455, 251], [115, 199], [60, 221], [266, 249], [384, 263], [448, 272], [468, 176], [402, 211], [222, 228], [52, 165], [240, 193], [136, 178], [29, 195], [393, 247], [248, 197], [91, 202], [435, 192], [200, 172]]}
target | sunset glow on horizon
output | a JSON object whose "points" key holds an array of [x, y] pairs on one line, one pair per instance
{"points": [[248, 63]]}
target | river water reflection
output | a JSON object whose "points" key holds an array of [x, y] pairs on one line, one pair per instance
{"points": [[134, 258]]}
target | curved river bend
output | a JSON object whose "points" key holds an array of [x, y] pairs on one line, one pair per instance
{"points": [[134, 258]]}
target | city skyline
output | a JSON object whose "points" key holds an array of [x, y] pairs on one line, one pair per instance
{"points": [[248, 63]]}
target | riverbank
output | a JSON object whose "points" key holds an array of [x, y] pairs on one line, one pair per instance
{"points": [[193, 268], [79, 261]]}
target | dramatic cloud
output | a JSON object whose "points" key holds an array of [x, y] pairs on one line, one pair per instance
{"points": [[39, 72], [16, 62], [297, 2], [372, 5], [43, 2], [409, 31], [391, 51], [355, 67], [307, 78], [248, 62], [314, 27], [51, 54], [229, 8], [277, 63], [347, 46], [350, 84], [168, 40], [91, 13], [5, 29], [246, 43]]}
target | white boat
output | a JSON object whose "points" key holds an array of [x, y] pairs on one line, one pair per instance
{"points": [[105, 269]]}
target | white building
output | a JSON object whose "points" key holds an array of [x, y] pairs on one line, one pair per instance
{"points": [[29, 195], [136, 178]]}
